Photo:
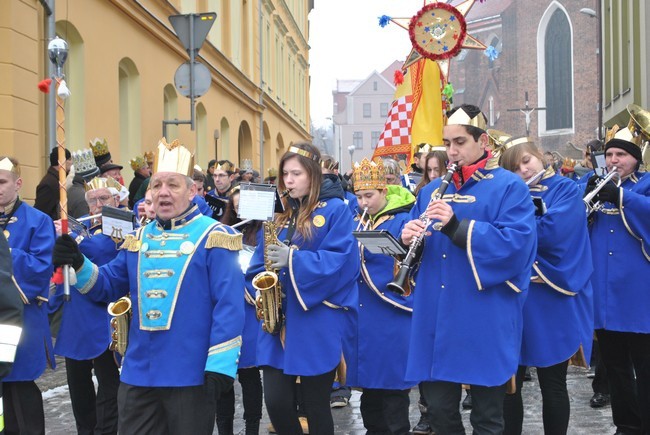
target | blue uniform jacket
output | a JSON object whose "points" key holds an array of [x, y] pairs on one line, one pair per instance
{"points": [[321, 295], [85, 331], [467, 315], [31, 239], [621, 254], [384, 319], [558, 313], [187, 293]]}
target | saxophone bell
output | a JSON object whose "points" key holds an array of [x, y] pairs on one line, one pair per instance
{"points": [[120, 323]]}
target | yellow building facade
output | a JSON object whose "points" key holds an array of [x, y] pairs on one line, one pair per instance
{"points": [[120, 70]]}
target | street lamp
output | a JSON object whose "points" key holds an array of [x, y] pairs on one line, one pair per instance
{"points": [[351, 149]]}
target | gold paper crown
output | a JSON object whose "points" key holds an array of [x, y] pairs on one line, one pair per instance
{"points": [[173, 157], [426, 148], [138, 163], [148, 156], [329, 163], [368, 175], [104, 183], [460, 117], [226, 166], [273, 172], [7, 165], [302, 152], [99, 147], [514, 141]]}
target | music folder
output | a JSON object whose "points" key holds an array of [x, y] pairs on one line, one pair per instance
{"points": [[117, 223], [379, 242], [259, 201]]}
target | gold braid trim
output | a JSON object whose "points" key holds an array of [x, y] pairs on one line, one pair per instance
{"points": [[219, 239], [131, 243]]}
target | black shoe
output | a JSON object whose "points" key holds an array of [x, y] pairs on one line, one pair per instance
{"points": [[527, 376], [423, 427], [598, 400], [467, 402]]}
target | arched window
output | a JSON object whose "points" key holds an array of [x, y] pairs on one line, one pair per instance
{"points": [[170, 110], [555, 70], [130, 114], [224, 137], [204, 147]]}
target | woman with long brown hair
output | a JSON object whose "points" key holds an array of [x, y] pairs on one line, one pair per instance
{"points": [[435, 163], [317, 265]]}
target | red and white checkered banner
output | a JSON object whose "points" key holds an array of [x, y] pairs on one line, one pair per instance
{"points": [[396, 137]]}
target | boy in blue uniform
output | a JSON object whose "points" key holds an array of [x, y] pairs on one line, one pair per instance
{"points": [[187, 293], [621, 254], [30, 234], [471, 284], [382, 352]]}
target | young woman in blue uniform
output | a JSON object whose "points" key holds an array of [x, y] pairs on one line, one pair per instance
{"points": [[317, 263], [558, 313]]}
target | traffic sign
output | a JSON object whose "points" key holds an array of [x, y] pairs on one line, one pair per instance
{"points": [[202, 79], [192, 29]]}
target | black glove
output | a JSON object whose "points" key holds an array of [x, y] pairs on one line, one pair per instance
{"points": [[217, 383], [5, 369], [610, 193], [66, 251], [592, 183]]}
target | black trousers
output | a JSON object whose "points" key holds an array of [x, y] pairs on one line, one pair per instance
{"points": [[94, 413], [626, 354], [251, 386], [443, 400], [555, 401], [165, 410], [23, 405], [599, 383], [385, 411], [280, 396]]}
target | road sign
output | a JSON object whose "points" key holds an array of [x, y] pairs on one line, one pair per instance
{"points": [[192, 29], [202, 79]]}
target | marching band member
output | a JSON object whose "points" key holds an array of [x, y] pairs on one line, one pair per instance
{"points": [[470, 287], [382, 352], [30, 234], [317, 267], [434, 163], [558, 313], [185, 334], [223, 175], [619, 242], [248, 374], [85, 333]]}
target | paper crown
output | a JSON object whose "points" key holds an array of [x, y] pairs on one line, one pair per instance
{"points": [[84, 164], [225, 165], [368, 175], [304, 153], [138, 163], [7, 165], [149, 156], [329, 163], [109, 183], [100, 151], [460, 117], [514, 141], [173, 157], [273, 172]]}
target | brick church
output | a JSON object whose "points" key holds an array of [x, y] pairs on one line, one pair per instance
{"points": [[548, 51]]}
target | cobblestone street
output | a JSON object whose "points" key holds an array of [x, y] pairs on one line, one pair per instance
{"points": [[584, 420]]}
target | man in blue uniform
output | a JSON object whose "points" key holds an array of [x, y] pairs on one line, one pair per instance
{"points": [[471, 283], [223, 176], [187, 293], [621, 255], [30, 234], [85, 332]]}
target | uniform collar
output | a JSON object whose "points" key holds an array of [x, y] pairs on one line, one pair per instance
{"points": [[180, 220], [464, 173]]}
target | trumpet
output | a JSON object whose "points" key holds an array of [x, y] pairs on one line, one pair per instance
{"points": [[588, 199], [399, 282]]}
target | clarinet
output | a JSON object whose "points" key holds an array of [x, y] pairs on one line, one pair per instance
{"points": [[398, 284]]}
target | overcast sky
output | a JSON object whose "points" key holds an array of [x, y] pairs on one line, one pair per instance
{"points": [[347, 43]]}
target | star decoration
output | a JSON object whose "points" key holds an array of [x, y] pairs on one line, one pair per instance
{"points": [[443, 19]]}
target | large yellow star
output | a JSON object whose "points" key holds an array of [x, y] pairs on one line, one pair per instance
{"points": [[437, 33]]}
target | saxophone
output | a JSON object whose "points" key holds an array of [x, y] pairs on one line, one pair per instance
{"points": [[121, 312], [267, 285]]}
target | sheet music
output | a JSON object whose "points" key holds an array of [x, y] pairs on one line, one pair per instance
{"points": [[256, 201], [116, 223], [379, 242]]}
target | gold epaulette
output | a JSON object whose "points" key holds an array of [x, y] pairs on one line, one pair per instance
{"points": [[218, 238], [132, 242]]}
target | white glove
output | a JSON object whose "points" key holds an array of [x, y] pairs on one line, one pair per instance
{"points": [[279, 255]]}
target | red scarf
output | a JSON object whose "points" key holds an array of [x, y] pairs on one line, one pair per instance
{"points": [[465, 172]]}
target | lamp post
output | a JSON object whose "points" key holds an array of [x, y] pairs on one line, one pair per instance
{"points": [[351, 149]]}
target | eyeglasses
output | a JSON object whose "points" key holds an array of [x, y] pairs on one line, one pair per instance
{"points": [[103, 199], [220, 175]]}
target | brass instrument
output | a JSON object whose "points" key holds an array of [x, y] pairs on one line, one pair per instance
{"points": [[398, 285], [591, 206], [267, 286], [639, 125], [121, 312], [496, 140]]}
